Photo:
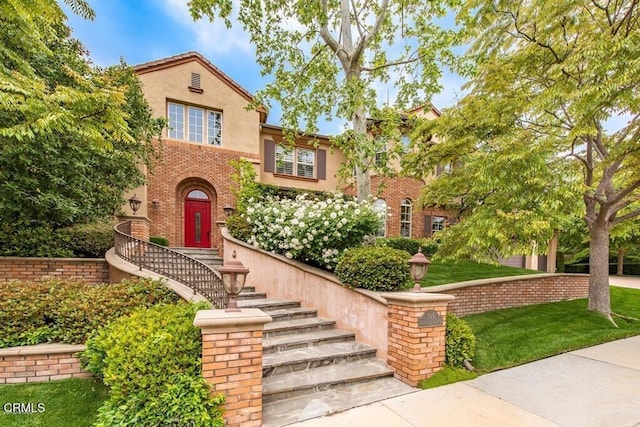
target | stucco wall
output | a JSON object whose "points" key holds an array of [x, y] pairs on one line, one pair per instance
{"points": [[362, 312]]}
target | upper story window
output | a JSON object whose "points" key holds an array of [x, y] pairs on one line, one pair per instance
{"points": [[199, 124], [381, 152], [438, 223], [295, 161], [406, 143], [406, 212]]}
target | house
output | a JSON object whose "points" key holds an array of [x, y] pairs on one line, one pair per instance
{"points": [[209, 126]]}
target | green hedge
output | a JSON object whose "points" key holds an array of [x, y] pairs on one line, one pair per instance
{"points": [[91, 240], [628, 268], [151, 362], [461, 342], [69, 311], [429, 246], [158, 240], [374, 268]]}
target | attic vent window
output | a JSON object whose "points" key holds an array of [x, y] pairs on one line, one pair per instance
{"points": [[195, 83]]}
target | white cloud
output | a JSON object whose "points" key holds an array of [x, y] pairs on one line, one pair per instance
{"points": [[210, 37]]}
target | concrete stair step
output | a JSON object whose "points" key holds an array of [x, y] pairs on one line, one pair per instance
{"points": [[301, 359], [292, 313], [202, 251], [290, 342], [301, 408], [268, 304], [297, 326], [245, 295], [309, 381], [248, 289]]}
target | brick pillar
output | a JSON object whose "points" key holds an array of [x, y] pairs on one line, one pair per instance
{"points": [[140, 228], [416, 334], [232, 361]]}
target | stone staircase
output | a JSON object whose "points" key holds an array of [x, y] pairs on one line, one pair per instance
{"points": [[209, 256], [310, 368]]}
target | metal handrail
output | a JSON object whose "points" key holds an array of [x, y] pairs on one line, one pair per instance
{"points": [[172, 264]]}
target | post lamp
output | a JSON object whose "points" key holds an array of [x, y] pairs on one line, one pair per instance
{"points": [[228, 210], [233, 279], [134, 203], [419, 265]]}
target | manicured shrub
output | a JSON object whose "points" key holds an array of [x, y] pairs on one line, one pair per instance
{"points": [[69, 311], [310, 230], [91, 240], [429, 246], [158, 240], [374, 268], [461, 342], [238, 227], [151, 362], [27, 241]]}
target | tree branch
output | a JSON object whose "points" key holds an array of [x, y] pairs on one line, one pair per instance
{"points": [[364, 41], [394, 63], [625, 217]]}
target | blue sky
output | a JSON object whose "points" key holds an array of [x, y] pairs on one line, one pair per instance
{"points": [[145, 30]]}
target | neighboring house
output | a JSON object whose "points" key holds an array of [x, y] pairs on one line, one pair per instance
{"points": [[209, 126]]}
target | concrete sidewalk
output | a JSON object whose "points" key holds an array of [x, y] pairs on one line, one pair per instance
{"points": [[597, 386], [625, 281]]}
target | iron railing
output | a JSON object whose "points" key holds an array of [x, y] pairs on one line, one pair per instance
{"points": [[189, 271]]}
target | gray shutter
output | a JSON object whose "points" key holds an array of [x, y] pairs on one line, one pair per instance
{"points": [[269, 155], [322, 164], [439, 170], [427, 226]]}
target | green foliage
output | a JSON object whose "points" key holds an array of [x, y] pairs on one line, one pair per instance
{"points": [[239, 227], [73, 135], [91, 240], [33, 241], [69, 311], [374, 268], [328, 59], [151, 362], [158, 240], [429, 246], [461, 342], [447, 375]]}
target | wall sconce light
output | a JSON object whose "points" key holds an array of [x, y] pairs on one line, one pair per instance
{"points": [[228, 210], [155, 204], [134, 203], [234, 275], [419, 265]]}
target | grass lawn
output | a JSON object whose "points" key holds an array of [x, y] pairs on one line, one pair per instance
{"points": [[67, 403], [443, 272], [515, 336]]}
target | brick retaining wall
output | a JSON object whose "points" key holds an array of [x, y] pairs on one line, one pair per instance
{"points": [[40, 363], [93, 270], [479, 296]]}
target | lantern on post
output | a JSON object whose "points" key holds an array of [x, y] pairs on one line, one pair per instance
{"points": [[419, 265], [134, 203], [234, 275]]}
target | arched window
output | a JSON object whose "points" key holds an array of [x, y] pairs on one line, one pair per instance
{"points": [[197, 194], [380, 205], [405, 218]]}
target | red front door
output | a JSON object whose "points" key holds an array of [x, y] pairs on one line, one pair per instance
{"points": [[197, 223]]}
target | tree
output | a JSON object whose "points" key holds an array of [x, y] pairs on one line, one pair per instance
{"points": [[72, 136], [533, 134], [325, 57]]}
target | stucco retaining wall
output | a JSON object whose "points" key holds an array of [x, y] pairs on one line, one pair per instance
{"points": [[356, 310]]}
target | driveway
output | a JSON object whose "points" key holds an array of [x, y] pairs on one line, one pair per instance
{"points": [[625, 281]]}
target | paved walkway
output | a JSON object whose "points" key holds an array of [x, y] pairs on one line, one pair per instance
{"points": [[597, 386]]}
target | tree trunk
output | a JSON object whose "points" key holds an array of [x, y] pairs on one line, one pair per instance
{"points": [[599, 294], [620, 270], [363, 177]]}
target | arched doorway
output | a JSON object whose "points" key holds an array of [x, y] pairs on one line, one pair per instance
{"points": [[197, 220]]}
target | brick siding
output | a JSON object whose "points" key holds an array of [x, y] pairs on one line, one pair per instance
{"points": [[487, 295], [184, 167], [91, 270], [40, 363]]}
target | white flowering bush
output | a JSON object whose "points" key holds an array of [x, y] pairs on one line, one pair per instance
{"points": [[315, 230]]}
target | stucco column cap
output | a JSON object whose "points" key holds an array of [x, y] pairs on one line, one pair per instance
{"points": [[122, 218], [212, 319], [416, 298]]}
